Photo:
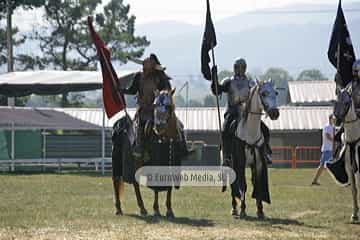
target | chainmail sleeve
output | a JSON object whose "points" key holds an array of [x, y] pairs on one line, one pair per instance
{"points": [[223, 87]]}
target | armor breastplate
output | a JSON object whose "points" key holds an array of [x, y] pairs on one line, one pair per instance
{"points": [[239, 90]]}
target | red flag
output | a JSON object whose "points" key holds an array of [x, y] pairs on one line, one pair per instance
{"points": [[114, 101]]}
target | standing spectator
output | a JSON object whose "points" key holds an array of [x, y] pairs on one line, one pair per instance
{"points": [[326, 148]]}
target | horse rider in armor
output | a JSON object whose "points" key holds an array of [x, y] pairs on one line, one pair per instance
{"points": [[237, 88], [144, 85]]}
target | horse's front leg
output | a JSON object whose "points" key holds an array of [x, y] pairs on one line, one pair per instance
{"points": [[260, 210], [355, 215], [243, 207], [116, 185], [169, 213], [234, 210], [357, 182], [239, 165], [352, 180], [156, 204], [139, 199]]}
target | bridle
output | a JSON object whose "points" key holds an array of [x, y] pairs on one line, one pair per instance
{"points": [[248, 104], [170, 111], [353, 120]]}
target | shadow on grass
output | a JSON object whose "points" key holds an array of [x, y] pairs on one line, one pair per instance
{"points": [[278, 222], [353, 223], [177, 220]]}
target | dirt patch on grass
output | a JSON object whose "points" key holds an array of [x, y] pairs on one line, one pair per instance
{"points": [[163, 232], [298, 215]]}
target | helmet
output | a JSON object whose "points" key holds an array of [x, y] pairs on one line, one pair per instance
{"points": [[239, 62], [356, 68]]}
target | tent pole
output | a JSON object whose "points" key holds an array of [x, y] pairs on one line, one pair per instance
{"points": [[44, 149], [103, 142], [13, 147]]}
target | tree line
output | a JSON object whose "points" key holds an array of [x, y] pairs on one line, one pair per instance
{"points": [[280, 78], [64, 38], [64, 44]]}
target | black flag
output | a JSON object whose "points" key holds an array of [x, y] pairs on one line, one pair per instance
{"points": [[341, 45], [209, 42]]}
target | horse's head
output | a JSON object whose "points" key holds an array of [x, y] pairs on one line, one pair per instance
{"points": [[342, 104], [164, 108], [268, 97]]}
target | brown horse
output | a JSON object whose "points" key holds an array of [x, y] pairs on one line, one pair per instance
{"points": [[166, 140]]}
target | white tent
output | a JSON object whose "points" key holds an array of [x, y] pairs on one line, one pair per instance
{"points": [[18, 84]]}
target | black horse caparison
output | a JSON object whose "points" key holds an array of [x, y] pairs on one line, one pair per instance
{"points": [[163, 137]]}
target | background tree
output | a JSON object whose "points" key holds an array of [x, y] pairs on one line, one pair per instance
{"points": [[194, 103], [280, 78], [180, 101], [68, 45], [209, 101], [21, 61], [118, 30], [311, 75]]}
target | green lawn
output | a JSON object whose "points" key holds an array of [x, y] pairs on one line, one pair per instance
{"points": [[74, 206]]}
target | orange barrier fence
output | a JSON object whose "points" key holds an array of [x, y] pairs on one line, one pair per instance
{"points": [[296, 155]]}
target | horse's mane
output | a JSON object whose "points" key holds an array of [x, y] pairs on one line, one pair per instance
{"points": [[248, 102]]}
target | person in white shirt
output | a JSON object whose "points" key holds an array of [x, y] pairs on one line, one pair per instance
{"points": [[326, 148]]}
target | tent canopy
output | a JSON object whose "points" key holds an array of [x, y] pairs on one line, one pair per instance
{"points": [[19, 84], [30, 118]]}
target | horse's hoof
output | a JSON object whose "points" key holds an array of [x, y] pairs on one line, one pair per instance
{"points": [[118, 212], [118, 209], [170, 214], [157, 213], [242, 214], [354, 219], [143, 212], [260, 215], [234, 213]]}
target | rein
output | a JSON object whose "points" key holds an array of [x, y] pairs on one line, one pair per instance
{"points": [[248, 104]]}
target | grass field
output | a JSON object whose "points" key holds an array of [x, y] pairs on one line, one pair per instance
{"points": [[74, 206]]}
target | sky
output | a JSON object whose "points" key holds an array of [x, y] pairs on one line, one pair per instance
{"points": [[192, 11], [189, 11]]}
